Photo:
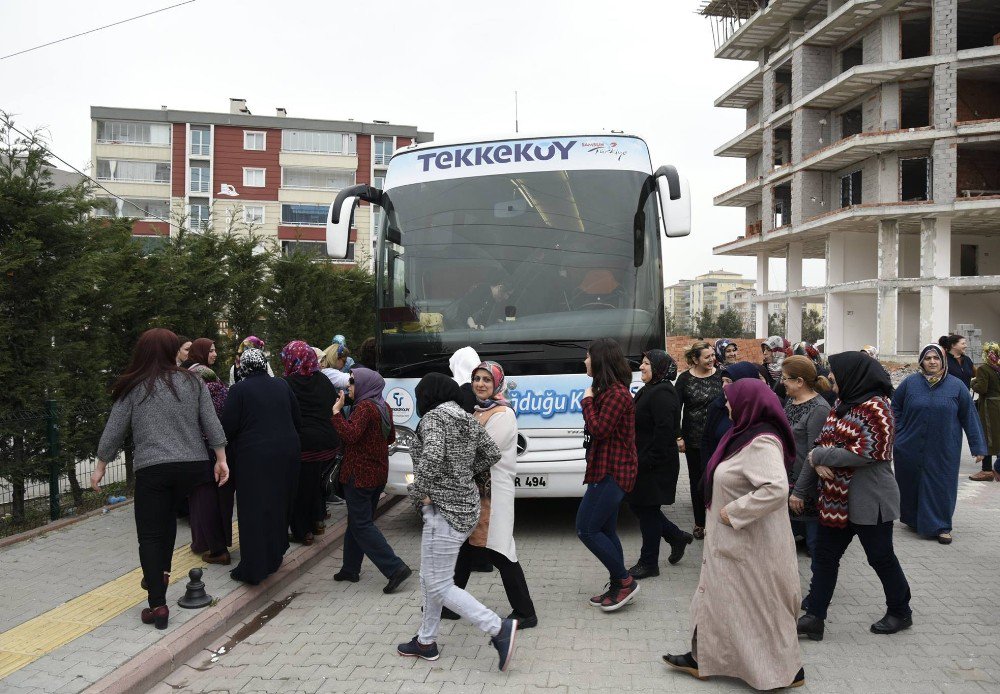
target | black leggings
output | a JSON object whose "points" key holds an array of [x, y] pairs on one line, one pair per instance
{"points": [[159, 489], [514, 583], [695, 471], [988, 463]]}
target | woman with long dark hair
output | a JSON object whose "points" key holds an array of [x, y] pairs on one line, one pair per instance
{"points": [[612, 465], [657, 416], [316, 397], [697, 388], [169, 412], [211, 506]]}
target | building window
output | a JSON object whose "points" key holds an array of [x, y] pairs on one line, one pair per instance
{"points": [[850, 189], [317, 179], [201, 141], [304, 215], [851, 122], [255, 140], [200, 179], [253, 178], [968, 260], [383, 151], [314, 248], [115, 132], [318, 141], [915, 179], [139, 208], [253, 214], [198, 211], [133, 171], [379, 181]]}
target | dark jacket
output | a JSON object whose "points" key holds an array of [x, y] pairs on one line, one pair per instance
{"points": [[657, 418], [262, 420], [963, 371], [315, 395]]}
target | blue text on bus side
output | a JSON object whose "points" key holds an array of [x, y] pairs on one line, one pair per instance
{"points": [[547, 403], [495, 154]]}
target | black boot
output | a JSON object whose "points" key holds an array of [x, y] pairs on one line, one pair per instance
{"points": [[641, 570], [811, 626], [890, 624], [678, 546]]}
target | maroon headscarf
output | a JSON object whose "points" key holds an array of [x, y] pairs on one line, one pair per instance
{"points": [[756, 411]]}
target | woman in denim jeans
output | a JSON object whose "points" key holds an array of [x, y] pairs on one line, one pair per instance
{"points": [[450, 450], [612, 465]]}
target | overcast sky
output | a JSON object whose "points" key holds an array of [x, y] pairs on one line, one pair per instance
{"points": [[448, 67]]}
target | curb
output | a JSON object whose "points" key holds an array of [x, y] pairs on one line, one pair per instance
{"points": [[149, 667], [52, 526]]}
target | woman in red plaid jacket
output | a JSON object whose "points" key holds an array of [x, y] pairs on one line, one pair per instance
{"points": [[612, 464]]}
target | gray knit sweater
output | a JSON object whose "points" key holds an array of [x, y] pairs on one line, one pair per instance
{"points": [[449, 450], [165, 428]]}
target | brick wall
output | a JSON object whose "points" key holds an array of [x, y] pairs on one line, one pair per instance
{"points": [[978, 170], [944, 27], [230, 158], [812, 66], [978, 100], [872, 44], [178, 157], [945, 168]]}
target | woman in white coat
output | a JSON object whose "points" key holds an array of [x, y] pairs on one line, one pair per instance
{"points": [[494, 535]]}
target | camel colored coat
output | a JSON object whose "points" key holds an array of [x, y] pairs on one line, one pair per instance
{"points": [[744, 610]]}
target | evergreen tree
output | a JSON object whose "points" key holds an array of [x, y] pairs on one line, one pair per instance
{"points": [[812, 325], [705, 324], [776, 324], [730, 324]]}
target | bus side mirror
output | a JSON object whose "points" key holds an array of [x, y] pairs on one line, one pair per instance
{"points": [[675, 201], [341, 214], [338, 226]]}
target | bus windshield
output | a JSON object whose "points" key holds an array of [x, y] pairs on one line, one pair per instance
{"points": [[527, 268]]}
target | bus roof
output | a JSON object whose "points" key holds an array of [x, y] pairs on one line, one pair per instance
{"points": [[542, 135]]}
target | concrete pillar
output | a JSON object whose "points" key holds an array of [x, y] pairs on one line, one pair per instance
{"points": [[887, 309], [834, 334], [835, 253], [934, 314], [793, 266], [763, 272], [793, 320], [935, 247], [890, 38]]}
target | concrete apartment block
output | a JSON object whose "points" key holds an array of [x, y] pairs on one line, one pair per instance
{"points": [[271, 175], [872, 142]]}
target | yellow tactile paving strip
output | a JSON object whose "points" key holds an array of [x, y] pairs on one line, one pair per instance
{"points": [[45, 633]]}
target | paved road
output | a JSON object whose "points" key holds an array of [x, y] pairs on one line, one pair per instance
{"points": [[333, 637]]}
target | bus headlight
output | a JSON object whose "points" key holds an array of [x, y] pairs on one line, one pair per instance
{"points": [[404, 439]]}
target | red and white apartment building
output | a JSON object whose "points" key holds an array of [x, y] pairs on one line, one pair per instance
{"points": [[276, 175]]}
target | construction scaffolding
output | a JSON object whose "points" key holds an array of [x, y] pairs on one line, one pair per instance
{"points": [[728, 16]]}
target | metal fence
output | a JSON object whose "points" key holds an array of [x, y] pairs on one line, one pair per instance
{"points": [[55, 485]]}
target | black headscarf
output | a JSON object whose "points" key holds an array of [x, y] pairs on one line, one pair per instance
{"points": [[741, 369], [663, 366], [859, 378], [435, 389]]}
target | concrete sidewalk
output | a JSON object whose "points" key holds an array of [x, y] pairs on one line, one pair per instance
{"points": [[70, 601]]}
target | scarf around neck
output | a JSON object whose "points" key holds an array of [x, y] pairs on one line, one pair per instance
{"points": [[368, 385], [933, 380], [496, 398], [991, 353]]}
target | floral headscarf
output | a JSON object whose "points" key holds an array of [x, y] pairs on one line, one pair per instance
{"points": [[252, 361], [720, 349], [933, 380], [499, 386], [299, 359], [991, 353], [251, 342]]}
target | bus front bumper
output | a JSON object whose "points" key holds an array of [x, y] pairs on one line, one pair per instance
{"points": [[551, 479]]}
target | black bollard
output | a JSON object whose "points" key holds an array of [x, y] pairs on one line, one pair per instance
{"points": [[195, 596]]}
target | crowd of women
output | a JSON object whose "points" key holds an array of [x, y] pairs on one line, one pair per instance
{"points": [[795, 446]]}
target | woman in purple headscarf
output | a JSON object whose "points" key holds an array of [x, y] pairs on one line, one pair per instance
{"points": [[743, 612], [366, 437]]}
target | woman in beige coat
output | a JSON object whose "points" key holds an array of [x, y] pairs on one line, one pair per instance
{"points": [[743, 612]]}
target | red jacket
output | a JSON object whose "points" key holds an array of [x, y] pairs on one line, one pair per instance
{"points": [[366, 451], [610, 420]]}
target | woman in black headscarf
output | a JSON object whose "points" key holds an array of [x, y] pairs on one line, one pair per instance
{"points": [[261, 419], [657, 419], [717, 421]]}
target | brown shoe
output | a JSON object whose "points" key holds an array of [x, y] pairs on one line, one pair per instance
{"points": [[698, 532], [319, 529], [220, 558], [983, 476]]}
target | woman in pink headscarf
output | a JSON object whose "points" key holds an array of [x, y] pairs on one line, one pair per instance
{"points": [[743, 612]]}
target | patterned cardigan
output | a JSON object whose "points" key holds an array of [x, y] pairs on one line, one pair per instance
{"points": [[449, 451]]}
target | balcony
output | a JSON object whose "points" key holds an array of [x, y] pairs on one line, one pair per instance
{"points": [[760, 30], [743, 195], [381, 158], [744, 145], [850, 85], [744, 93], [848, 19], [857, 148]]}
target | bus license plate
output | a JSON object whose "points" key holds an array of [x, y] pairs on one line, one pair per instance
{"points": [[531, 481]]}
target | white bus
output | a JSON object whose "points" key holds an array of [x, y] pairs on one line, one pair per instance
{"points": [[525, 249]]}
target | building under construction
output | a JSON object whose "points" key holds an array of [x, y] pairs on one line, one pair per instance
{"points": [[872, 141]]}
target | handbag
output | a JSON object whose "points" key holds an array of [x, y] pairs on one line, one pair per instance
{"points": [[331, 477], [482, 530]]}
